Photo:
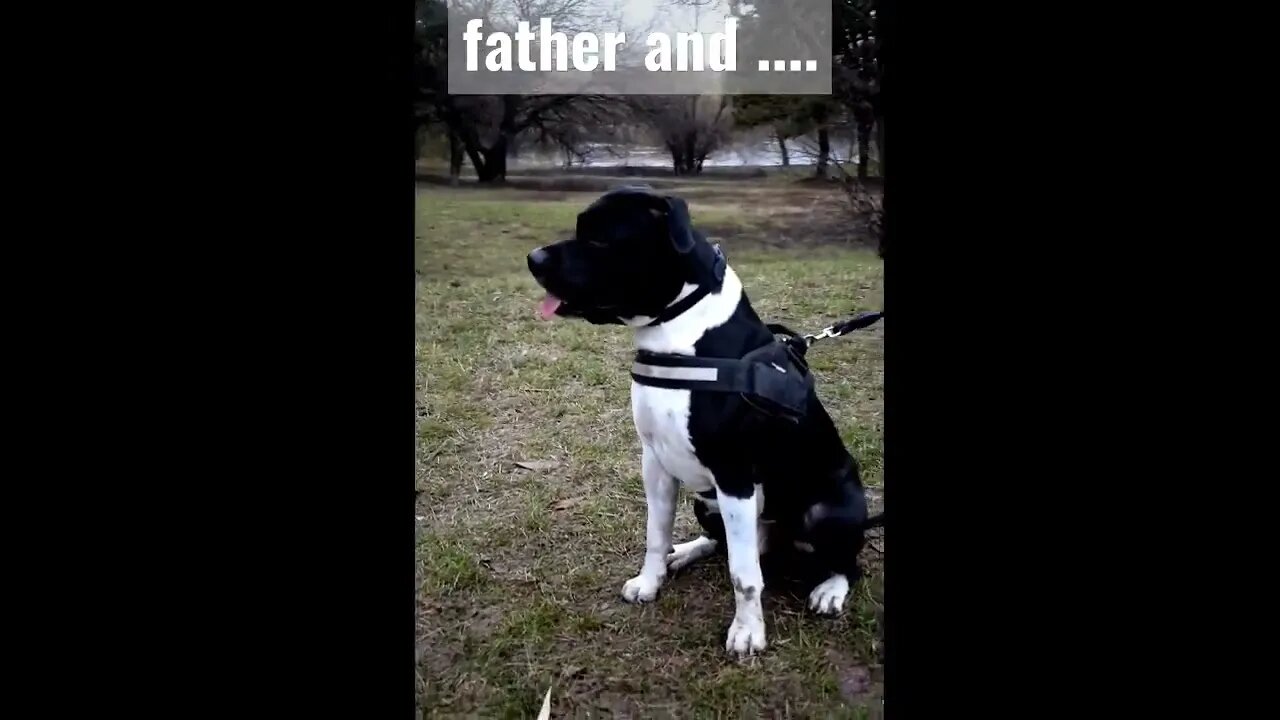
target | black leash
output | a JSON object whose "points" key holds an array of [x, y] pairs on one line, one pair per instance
{"points": [[801, 343], [857, 322]]}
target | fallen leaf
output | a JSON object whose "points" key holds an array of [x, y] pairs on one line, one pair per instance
{"points": [[538, 464], [545, 714]]}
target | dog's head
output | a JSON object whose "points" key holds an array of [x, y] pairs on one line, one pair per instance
{"points": [[632, 254]]}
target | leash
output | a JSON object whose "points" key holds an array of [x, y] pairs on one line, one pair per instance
{"points": [[802, 343], [857, 322]]}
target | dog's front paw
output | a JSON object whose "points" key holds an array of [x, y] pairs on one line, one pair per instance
{"points": [[828, 597], [746, 635], [641, 589]]}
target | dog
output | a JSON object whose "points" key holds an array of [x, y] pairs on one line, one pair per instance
{"points": [[635, 260]]}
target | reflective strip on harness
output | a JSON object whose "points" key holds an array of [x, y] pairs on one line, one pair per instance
{"points": [[771, 377], [774, 378], [697, 374]]}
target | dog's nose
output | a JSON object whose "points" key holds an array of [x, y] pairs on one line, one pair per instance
{"points": [[538, 261]]}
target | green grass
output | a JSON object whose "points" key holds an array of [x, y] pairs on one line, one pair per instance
{"points": [[520, 571]]}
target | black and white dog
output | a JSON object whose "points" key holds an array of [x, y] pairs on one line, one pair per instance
{"points": [[635, 260]]}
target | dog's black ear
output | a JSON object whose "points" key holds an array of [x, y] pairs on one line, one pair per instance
{"points": [[679, 225]]}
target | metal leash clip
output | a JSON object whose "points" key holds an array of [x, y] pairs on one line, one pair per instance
{"points": [[827, 332]]}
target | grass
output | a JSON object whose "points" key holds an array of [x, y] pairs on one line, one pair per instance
{"points": [[519, 570]]}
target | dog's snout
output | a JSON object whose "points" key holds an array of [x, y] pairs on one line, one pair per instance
{"points": [[539, 261]]}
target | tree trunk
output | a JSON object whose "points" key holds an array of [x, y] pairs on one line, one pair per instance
{"points": [[683, 160], [493, 169], [490, 163], [864, 148], [455, 158], [484, 160], [782, 147], [824, 152]]}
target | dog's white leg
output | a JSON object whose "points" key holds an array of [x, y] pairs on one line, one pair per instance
{"points": [[660, 492], [746, 634], [686, 553], [828, 597]]}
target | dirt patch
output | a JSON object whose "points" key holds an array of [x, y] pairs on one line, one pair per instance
{"points": [[854, 680], [819, 228]]}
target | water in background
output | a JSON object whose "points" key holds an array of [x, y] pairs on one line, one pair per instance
{"points": [[801, 151]]}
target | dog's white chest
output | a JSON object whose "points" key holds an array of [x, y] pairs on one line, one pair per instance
{"points": [[661, 414], [662, 421]]}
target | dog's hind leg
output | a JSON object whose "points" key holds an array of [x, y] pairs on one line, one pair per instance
{"points": [[707, 510], [660, 492], [687, 553], [835, 531], [828, 597]]}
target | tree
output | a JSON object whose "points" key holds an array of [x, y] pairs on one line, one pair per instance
{"points": [[690, 127], [790, 116], [787, 115], [433, 107], [593, 125], [780, 113], [857, 72], [855, 99], [485, 127]]}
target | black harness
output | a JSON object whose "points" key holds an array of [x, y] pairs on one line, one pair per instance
{"points": [[774, 377]]}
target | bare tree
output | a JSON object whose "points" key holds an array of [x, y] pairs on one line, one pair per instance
{"points": [[583, 129], [690, 127], [857, 71], [484, 128]]}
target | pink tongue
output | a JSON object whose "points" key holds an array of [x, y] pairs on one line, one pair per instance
{"points": [[548, 307]]}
